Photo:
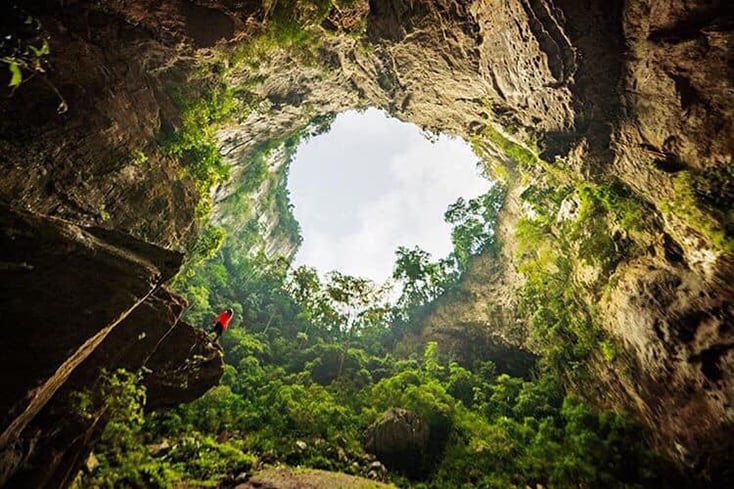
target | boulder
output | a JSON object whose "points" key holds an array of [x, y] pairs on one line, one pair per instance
{"points": [[400, 440]]}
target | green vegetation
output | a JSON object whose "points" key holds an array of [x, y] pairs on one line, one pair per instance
{"points": [[562, 326], [293, 25], [123, 460], [206, 97], [517, 152], [474, 222], [600, 208], [138, 157], [311, 365], [194, 142], [289, 21], [704, 202], [24, 49], [603, 224], [488, 429]]}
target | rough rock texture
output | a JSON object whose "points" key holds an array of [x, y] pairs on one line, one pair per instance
{"points": [[637, 91], [64, 290], [474, 321], [678, 333], [183, 367], [400, 440], [75, 302], [276, 241], [85, 165]]}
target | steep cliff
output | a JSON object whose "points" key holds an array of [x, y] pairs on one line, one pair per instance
{"points": [[610, 122], [77, 303]]}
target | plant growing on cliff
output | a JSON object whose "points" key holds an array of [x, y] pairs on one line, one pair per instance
{"points": [[210, 240], [299, 28], [194, 141], [561, 325], [513, 150], [25, 49], [591, 228], [704, 202], [474, 223]]}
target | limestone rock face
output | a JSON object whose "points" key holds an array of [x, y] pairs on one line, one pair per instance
{"points": [[399, 439], [183, 367], [76, 302], [638, 92], [676, 327]]}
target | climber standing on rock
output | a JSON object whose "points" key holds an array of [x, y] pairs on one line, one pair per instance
{"points": [[221, 323]]}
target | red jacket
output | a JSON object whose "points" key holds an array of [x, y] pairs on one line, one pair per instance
{"points": [[224, 319]]}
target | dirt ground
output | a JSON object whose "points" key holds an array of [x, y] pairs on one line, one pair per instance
{"points": [[287, 478]]}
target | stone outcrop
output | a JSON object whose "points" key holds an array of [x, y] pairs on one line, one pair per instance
{"points": [[400, 439], [76, 303], [98, 163], [638, 92], [183, 367]]}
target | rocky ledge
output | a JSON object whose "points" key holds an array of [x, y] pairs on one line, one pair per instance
{"points": [[103, 309]]}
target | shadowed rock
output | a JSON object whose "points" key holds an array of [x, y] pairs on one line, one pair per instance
{"points": [[400, 440], [638, 91], [77, 302]]}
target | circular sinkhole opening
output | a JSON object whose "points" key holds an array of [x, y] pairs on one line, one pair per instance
{"points": [[372, 184]]}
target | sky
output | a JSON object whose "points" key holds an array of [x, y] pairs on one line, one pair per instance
{"points": [[372, 184]]}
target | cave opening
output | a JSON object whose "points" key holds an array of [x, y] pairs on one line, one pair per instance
{"points": [[371, 184], [590, 333]]}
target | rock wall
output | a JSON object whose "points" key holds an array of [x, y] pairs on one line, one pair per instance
{"points": [[637, 92], [77, 303], [401, 439], [634, 92], [81, 274]]}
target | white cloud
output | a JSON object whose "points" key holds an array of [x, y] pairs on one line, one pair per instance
{"points": [[372, 184]]}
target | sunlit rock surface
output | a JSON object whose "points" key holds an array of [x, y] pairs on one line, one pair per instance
{"points": [[288, 478]]}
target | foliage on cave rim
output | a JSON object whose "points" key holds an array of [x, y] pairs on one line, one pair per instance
{"points": [[207, 99], [24, 49]]}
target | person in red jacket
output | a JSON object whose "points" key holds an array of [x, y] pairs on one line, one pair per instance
{"points": [[221, 323]]}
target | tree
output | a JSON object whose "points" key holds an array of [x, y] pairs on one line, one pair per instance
{"points": [[474, 222], [422, 279]]}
